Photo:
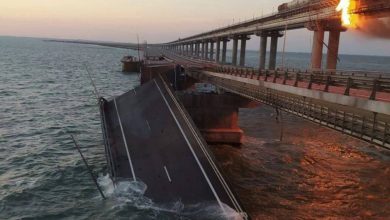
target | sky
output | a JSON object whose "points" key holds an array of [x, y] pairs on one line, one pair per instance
{"points": [[155, 21]]}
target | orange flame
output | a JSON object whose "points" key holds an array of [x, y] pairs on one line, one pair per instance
{"points": [[345, 6]]}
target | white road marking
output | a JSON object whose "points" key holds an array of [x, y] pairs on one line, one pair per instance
{"points": [[223, 182], [166, 172], [192, 150], [147, 123], [125, 142]]}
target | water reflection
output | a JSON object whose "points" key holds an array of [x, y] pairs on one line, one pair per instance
{"points": [[314, 173]]}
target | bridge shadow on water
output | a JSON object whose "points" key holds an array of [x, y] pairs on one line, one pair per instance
{"points": [[314, 172]]}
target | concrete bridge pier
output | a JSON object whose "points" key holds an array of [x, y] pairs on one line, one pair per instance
{"points": [[235, 49], [244, 38], [195, 49], [274, 50], [263, 51], [218, 50], [200, 50], [206, 54], [318, 45], [211, 50], [224, 50], [333, 50], [203, 50]]}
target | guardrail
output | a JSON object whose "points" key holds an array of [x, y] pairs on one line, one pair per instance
{"points": [[348, 80]]}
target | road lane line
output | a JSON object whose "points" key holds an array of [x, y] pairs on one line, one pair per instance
{"points": [[125, 142], [219, 175], [166, 172], [191, 149]]}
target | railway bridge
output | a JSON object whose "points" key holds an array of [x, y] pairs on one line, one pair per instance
{"points": [[353, 102], [316, 16]]}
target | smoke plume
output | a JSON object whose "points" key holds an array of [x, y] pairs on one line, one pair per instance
{"points": [[375, 27]]}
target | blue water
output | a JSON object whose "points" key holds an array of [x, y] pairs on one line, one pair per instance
{"points": [[45, 96]]}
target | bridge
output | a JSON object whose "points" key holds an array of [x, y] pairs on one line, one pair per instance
{"points": [[318, 17], [353, 102], [190, 96]]}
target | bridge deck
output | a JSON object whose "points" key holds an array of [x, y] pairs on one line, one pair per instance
{"points": [[150, 138], [353, 103]]}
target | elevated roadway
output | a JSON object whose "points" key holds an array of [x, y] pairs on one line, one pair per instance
{"points": [[355, 103]]}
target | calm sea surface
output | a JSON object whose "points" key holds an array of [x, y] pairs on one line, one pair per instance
{"points": [[45, 95]]}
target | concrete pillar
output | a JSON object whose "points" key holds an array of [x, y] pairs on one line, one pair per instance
{"points": [[333, 50], [273, 52], [191, 49], [235, 49], [217, 55], [203, 50], [197, 49], [206, 54], [318, 45], [211, 50], [224, 49], [243, 50], [263, 51]]}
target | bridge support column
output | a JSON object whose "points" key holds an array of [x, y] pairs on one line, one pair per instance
{"points": [[243, 50], [333, 50], [274, 51], [211, 50], [318, 45], [206, 54], [191, 49], [218, 52], [216, 115], [235, 49], [199, 50], [224, 50], [203, 50], [263, 51]]}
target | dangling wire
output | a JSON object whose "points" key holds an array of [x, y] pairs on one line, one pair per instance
{"points": [[92, 82], [284, 46]]}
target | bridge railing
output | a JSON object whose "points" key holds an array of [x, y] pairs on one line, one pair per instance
{"points": [[369, 126], [372, 83]]}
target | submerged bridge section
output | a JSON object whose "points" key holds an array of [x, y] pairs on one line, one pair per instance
{"points": [[150, 138]]}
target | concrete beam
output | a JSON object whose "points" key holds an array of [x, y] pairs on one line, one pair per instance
{"points": [[381, 107]]}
